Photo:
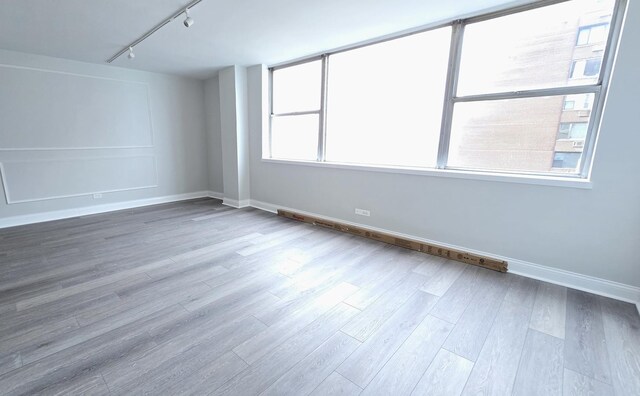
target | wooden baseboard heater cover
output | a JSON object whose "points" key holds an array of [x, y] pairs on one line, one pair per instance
{"points": [[464, 257]]}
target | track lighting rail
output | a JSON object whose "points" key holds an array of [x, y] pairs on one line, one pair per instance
{"points": [[129, 47]]}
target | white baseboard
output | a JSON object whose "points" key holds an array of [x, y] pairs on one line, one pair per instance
{"points": [[216, 195], [574, 280], [95, 209], [234, 203], [267, 207], [602, 287]]}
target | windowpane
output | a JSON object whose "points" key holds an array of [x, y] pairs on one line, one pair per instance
{"points": [[534, 49], [571, 130], [297, 88], [514, 135], [583, 36], [598, 34], [592, 67], [385, 101], [578, 130], [586, 68], [295, 137]]}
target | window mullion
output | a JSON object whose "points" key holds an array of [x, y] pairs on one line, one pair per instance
{"points": [[530, 93], [450, 92], [322, 130], [296, 113], [270, 113], [590, 137]]}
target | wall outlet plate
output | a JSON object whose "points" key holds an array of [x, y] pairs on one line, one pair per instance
{"points": [[362, 212]]}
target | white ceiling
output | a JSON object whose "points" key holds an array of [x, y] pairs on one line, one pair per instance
{"points": [[242, 32]]}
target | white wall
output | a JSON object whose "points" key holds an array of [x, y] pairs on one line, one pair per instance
{"points": [[235, 134], [214, 134], [592, 232], [70, 129]]}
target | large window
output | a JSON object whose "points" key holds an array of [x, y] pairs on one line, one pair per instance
{"points": [[516, 91]]}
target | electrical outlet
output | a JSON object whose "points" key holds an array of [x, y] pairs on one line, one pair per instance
{"points": [[362, 212], [97, 196]]}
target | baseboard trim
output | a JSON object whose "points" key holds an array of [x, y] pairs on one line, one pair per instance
{"points": [[574, 280], [215, 195], [234, 203], [95, 209], [602, 287], [267, 207]]}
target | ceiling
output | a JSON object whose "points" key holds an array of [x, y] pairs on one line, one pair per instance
{"points": [[241, 32]]}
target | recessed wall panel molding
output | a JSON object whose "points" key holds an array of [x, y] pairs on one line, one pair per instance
{"points": [[37, 180], [51, 110]]}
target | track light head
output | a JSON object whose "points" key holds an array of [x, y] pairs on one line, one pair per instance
{"points": [[131, 54], [188, 20]]}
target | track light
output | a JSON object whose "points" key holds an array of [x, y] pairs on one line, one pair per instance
{"points": [[188, 21]]}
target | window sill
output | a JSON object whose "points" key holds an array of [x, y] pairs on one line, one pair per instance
{"points": [[554, 181]]}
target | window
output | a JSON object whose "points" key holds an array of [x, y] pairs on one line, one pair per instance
{"points": [[496, 126], [296, 111], [566, 160], [593, 34], [586, 68], [572, 130], [516, 94], [578, 102], [519, 51], [505, 135]]}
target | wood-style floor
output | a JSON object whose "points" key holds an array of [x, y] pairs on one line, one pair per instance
{"points": [[198, 298]]}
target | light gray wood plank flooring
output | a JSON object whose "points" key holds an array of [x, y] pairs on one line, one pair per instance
{"points": [[195, 298], [541, 366], [585, 349], [446, 376]]}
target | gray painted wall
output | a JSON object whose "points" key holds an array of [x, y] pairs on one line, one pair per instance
{"points": [[214, 134], [593, 232], [70, 129], [235, 135]]}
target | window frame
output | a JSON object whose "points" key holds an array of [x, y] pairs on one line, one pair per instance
{"points": [[321, 110], [598, 88]]}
